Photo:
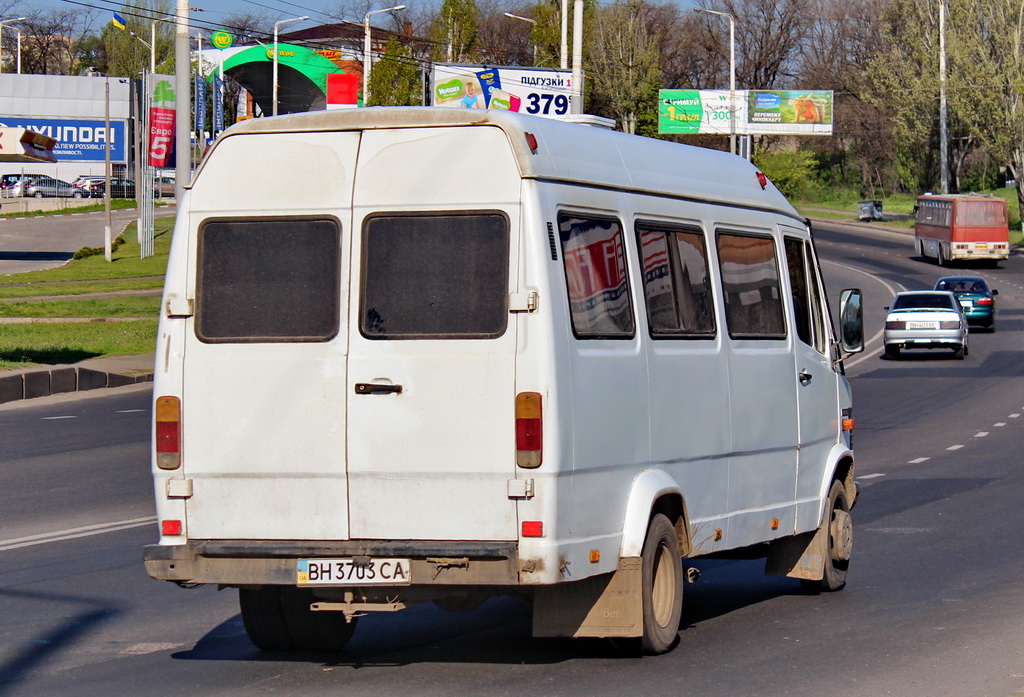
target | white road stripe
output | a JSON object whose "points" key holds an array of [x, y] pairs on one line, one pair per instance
{"points": [[56, 418], [954, 447], [998, 424], [981, 434], [72, 533], [872, 476], [919, 460]]}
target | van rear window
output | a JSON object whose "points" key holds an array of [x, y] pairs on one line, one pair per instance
{"points": [[266, 280], [596, 278], [435, 277]]}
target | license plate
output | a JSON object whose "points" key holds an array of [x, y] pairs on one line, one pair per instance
{"points": [[922, 325], [345, 572], [981, 245], [966, 303]]}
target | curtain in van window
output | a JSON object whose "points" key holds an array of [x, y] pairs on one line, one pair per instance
{"points": [[750, 280], [435, 277], [596, 278], [270, 279]]}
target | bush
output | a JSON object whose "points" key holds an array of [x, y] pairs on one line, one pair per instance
{"points": [[93, 251], [789, 171]]}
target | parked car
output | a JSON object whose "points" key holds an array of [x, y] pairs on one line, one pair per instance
{"points": [[976, 298], [7, 182], [163, 187], [119, 188], [43, 185], [925, 319], [84, 181]]}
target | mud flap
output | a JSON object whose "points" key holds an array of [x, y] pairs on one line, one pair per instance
{"points": [[799, 556], [610, 605]]}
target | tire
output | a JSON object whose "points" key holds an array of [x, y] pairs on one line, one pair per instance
{"points": [[314, 631], [960, 352], [892, 352], [662, 586], [839, 545], [263, 617], [77, 194], [38, 194], [941, 259]]}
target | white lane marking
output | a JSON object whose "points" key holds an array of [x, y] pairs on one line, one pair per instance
{"points": [[1015, 416], [872, 476], [954, 447], [56, 418], [877, 337], [72, 533], [981, 434], [130, 411], [919, 460], [999, 423]]}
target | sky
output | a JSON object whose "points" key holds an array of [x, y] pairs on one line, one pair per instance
{"points": [[215, 12]]}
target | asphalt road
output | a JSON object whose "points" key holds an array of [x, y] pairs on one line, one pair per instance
{"points": [[932, 606], [48, 241]]}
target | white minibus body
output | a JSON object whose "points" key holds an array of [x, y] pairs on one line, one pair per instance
{"points": [[414, 354]]}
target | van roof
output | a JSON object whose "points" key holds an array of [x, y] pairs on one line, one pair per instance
{"points": [[567, 152]]}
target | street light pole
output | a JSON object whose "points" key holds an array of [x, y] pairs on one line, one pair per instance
{"points": [[577, 57], [943, 117], [2, 23], [183, 104], [732, 74], [533, 23], [277, 26], [564, 48], [19, 51], [366, 49]]}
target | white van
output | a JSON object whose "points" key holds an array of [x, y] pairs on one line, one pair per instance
{"points": [[412, 354]]}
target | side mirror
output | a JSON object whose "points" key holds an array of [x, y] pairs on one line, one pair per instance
{"points": [[995, 292], [851, 320]]}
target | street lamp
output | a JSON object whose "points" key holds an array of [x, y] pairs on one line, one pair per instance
{"points": [[277, 25], [533, 23], [2, 23], [366, 49], [732, 74]]}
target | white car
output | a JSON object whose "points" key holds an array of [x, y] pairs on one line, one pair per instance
{"points": [[925, 319]]}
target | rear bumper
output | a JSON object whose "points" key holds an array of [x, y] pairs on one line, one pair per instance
{"points": [[245, 562]]}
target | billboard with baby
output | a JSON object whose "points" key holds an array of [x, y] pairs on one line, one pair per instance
{"points": [[535, 91]]}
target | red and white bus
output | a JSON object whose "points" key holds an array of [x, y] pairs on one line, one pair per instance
{"points": [[961, 227]]}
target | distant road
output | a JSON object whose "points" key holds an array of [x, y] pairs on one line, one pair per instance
{"points": [[49, 241]]}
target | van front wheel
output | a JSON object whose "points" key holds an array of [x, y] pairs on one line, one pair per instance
{"points": [[839, 541], [662, 586]]}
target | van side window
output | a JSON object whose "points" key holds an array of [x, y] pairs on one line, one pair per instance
{"points": [[798, 288], [677, 285], [437, 276], [750, 281], [596, 278], [267, 280]]}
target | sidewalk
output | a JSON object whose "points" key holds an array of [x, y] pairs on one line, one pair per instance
{"points": [[90, 374]]}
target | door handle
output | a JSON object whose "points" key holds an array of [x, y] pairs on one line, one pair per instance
{"points": [[377, 388], [805, 376]]}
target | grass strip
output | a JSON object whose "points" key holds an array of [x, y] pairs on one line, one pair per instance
{"points": [[23, 345], [128, 306]]}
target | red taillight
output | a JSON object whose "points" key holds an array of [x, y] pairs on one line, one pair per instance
{"points": [[983, 301], [167, 428], [762, 180], [529, 430], [895, 325], [170, 527], [531, 140]]}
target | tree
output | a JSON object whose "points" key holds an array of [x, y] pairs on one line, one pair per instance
{"points": [[454, 32], [127, 54], [396, 79], [48, 46], [623, 64]]}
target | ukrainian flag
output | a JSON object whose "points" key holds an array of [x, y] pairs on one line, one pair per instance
{"points": [[118, 21]]}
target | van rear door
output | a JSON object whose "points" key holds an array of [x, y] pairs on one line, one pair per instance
{"points": [[431, 368], [263, 399]]}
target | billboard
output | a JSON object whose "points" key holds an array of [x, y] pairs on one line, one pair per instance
{"points": [[534, 91], [757, 112], [78, 140]]}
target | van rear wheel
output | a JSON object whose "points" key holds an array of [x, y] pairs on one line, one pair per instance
{"points": [[662, 586], [263, 617]]}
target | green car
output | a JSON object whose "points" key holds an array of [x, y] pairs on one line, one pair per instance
{"points": [[975, 297]]}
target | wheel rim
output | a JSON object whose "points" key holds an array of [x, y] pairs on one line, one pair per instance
{"points": [[842, 536], [663, 587]]}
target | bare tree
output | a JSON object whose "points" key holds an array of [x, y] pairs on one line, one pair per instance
{"points": [[49, 43]]}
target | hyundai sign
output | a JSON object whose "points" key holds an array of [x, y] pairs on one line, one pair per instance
{"points": [[77, 140]]}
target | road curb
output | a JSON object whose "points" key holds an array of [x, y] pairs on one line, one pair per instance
{"points": [[32, 383]]}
